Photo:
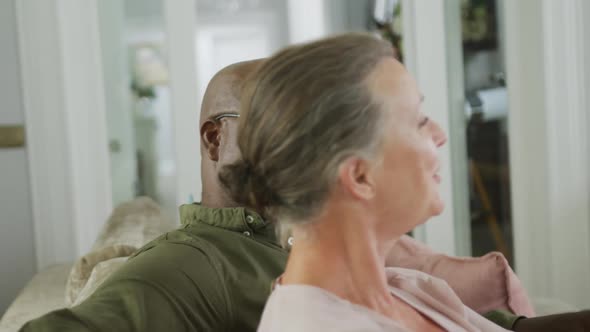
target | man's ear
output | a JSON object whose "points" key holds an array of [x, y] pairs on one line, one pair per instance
{"points": [[210, 136], [356, 176]]}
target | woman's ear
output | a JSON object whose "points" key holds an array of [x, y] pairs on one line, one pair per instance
{"points": [[210, 137], [357, 177]]}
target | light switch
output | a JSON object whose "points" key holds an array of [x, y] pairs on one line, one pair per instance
{"points": [[12, 136]]}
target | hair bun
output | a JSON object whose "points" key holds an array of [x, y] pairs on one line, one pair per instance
{"points": [[247, 186]]}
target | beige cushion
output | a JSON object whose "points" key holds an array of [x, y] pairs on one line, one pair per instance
{"points": [[44, 293], [133, 223], [83, 272], [99, 274], [484, 283], [130, 227]]}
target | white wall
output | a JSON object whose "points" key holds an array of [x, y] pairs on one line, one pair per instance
{"points": [[17, 258]]}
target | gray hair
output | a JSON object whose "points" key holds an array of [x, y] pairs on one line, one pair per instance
{"points": [[305, 111]]}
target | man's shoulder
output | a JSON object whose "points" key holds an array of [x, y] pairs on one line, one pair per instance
{"points": [[184, 243], [178, 236], [175, 251], [198, 253], [177, 272], [221, 245]]}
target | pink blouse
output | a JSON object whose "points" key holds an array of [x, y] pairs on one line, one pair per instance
{"points": [[298, 308]]}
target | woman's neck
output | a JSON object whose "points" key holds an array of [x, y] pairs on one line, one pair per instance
{"points": [[340, 253]]}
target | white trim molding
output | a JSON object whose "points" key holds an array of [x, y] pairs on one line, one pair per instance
{"points": [[549, 147], [527, 143], [425, 35], [181, 27], [567, 117], [457, 131], [66, 128]]}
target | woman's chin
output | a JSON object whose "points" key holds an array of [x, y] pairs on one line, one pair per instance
{"points": [[438, 208]]}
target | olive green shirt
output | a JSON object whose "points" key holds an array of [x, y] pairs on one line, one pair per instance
{"points": [[212, 274]]}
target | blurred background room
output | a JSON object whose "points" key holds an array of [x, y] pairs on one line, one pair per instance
{"points": [[100, 105]]}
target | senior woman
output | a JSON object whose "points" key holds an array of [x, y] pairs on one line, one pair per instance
{"points": [[336, 150]]}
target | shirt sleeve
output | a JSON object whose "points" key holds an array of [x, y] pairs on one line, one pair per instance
{"points": [[503, 318], [171, 287]]}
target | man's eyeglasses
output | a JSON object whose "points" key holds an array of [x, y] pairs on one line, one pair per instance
{"points": [[225, 115]]}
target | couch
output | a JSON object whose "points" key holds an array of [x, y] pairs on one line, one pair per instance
{"points": [[484, 283]]}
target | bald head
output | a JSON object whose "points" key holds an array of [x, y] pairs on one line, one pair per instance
{"points": [[223, 92], [219, 137]]}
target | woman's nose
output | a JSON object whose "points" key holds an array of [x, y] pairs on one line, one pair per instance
{"points": [[438, 135]]}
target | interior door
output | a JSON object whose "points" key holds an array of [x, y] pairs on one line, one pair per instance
{"points": [[137, 95], [116, 75]]}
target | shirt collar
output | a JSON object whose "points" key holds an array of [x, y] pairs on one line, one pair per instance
{"points": [[237, 219]]}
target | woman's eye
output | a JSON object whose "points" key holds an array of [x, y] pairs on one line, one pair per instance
{"points": [[423, 122]]}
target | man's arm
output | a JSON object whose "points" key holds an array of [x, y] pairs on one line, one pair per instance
{"points": [[171, 287], [568, 322], [121, 306], [503, 318]]}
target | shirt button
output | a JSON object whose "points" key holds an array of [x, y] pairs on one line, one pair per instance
{"points": [[247, 233], [290, 241], [249, 219]]}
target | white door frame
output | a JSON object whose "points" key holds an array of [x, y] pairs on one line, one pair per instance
{"points": [[66, 128], [425, 35], [549, 152], [457, 131], [180, 20]]}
